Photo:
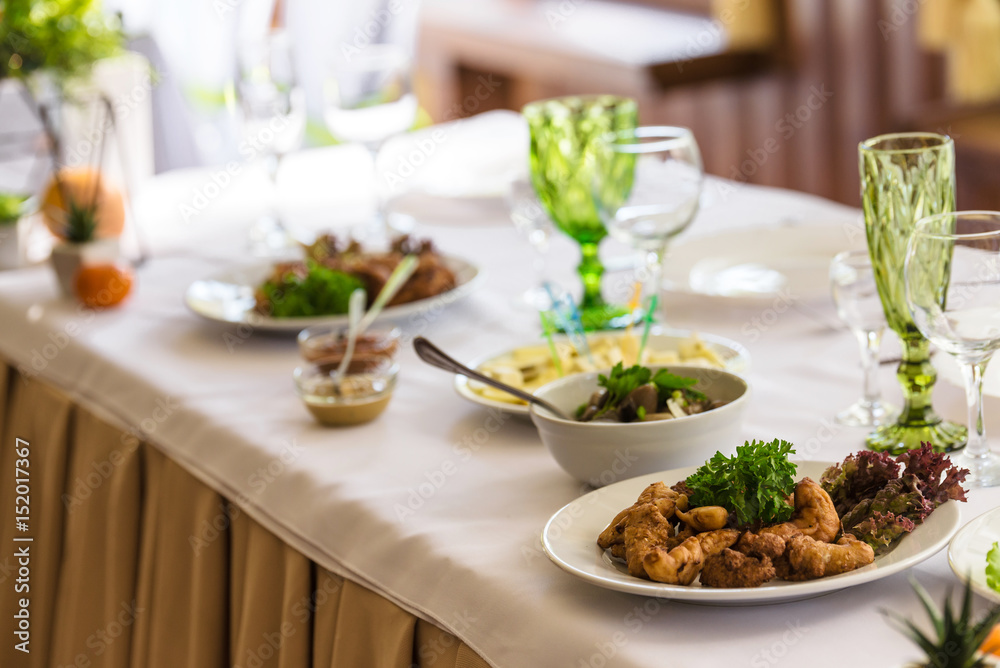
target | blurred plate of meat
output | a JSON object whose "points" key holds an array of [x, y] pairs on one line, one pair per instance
{"points": [[228, 297]]}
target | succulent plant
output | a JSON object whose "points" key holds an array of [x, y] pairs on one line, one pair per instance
{"points": [[81, 222], [957, 637]]}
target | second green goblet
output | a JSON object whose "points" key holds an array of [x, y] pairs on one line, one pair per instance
{"points": [[906, 177], [567, 136]]}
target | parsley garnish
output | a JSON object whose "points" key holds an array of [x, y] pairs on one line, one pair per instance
{"points": [[753, 483], [619, 383], [323, 291], [667, 383]]}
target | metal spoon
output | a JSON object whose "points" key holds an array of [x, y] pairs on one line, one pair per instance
{"points": [[433, 355]]}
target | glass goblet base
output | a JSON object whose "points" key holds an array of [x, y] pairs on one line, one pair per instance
{"points": [[984, 470], [867, 414], [897, 438], [606, 316]]}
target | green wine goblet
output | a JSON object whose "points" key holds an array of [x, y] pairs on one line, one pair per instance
{"points": [[567, 135], [904, 178]]}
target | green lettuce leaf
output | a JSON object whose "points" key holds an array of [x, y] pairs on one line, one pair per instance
{"points": [[993, 567]]}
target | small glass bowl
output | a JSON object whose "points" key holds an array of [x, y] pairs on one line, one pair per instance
{"points": [[359, 397], [323, 342]]}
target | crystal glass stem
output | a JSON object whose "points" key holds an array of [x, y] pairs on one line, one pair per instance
{"points": [[272, 163], [654, 270], [972, 373], [870, 343], [379, 229]]}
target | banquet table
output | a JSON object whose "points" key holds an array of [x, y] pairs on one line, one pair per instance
{"points": [[261, 538]]}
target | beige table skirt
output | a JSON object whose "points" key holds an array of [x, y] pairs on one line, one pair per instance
{"points": [[134, 562]]}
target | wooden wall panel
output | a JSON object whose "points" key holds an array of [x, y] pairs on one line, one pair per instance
{"points": [[863, 51]]}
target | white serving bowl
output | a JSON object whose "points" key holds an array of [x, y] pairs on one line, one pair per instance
{"points": [[600, 453]]}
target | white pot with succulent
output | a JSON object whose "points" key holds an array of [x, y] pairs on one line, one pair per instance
{"points": [[15, 224], [86, 214]]}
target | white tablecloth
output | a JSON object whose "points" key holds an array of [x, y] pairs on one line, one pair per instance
{"points": [[439, 504]]}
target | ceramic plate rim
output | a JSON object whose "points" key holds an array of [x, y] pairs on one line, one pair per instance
{"points": [[979, 578], [685, 288], [267, 324], [461, 383], [946, 520]]}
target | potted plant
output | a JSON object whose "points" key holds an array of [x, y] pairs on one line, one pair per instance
{"points": [[958, 637], [49, 49], [86, 214]]}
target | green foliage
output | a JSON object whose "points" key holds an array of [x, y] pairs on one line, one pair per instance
{"points": [[956, 639], [81, 223], [667, 383], [620, 382], [754, 483], [323, 291], [63, 37], [993, 567], [10, 207]]}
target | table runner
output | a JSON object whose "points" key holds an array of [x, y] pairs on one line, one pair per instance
{"points": [[439, 504]]}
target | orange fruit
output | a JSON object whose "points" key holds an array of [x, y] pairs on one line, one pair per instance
{"points": [[100, 286], [992, 643], [79, 184]]}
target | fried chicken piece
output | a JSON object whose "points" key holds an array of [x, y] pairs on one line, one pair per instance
{"points": [[759, 545], [704, 518], [657, 493], [618, 549], [730, 569], [682, 564], [431, 278], [815, 515], [645, 530], [809, 559]]}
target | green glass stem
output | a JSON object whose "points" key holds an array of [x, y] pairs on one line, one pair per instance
{"points": [[591, 270], [917, 376], [918, 423]]}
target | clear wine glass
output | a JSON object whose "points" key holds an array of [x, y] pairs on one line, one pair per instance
{"points": [[952, 275], [648, 190], [533, 223], [368, 99], [274, 119], [852, 281]]}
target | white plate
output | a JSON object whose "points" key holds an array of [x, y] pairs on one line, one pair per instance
{"points": [[760, 263], [967, 551], [228, 297], [736, 356], [570, 540]]}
